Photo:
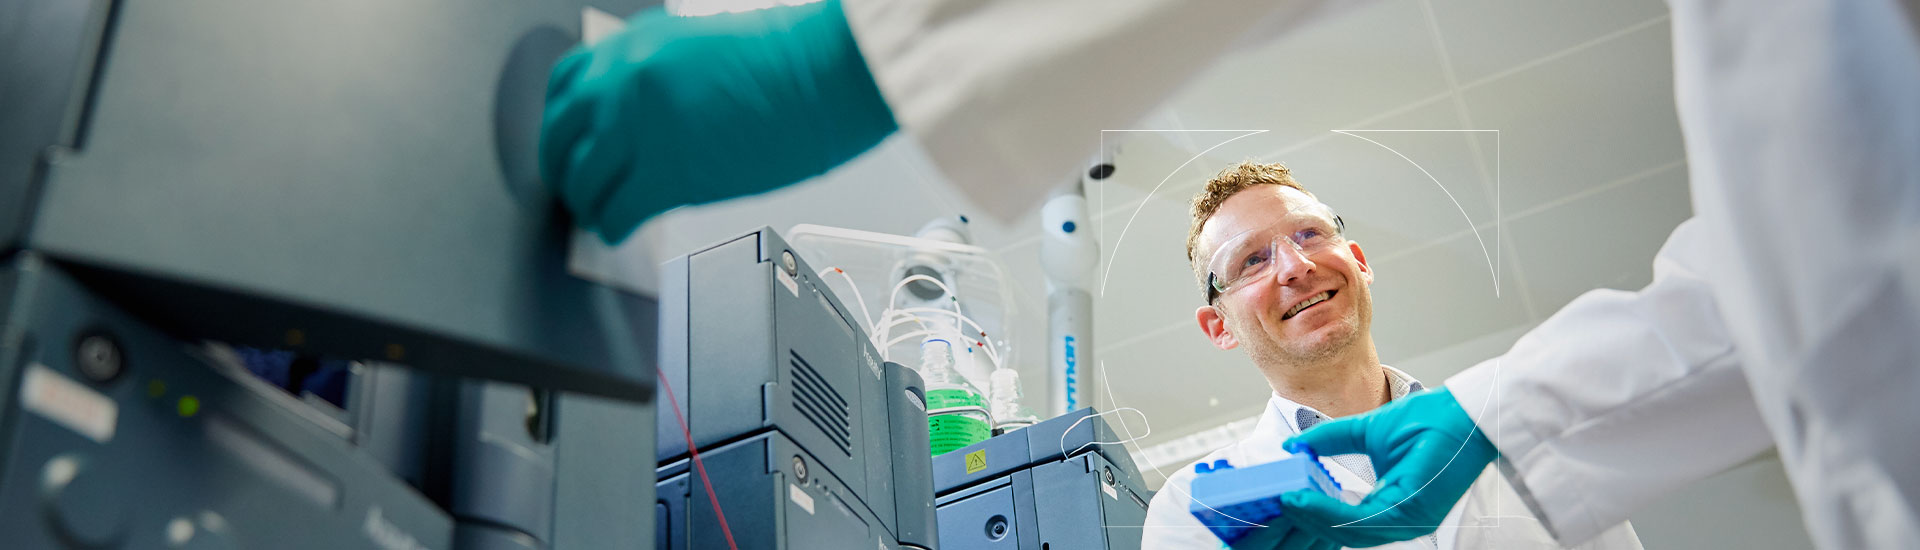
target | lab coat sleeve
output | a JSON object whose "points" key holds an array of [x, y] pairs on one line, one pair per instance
{"points": [[1618, 398], [1008, 97], [1169, 526], [1492, 516]]}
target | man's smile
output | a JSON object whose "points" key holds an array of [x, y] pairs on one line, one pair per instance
{"points": [[1310, 301]]}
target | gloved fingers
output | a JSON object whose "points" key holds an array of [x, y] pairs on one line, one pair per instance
{"points": [[1335, 437], [566, 72], [1328, 518], [1403, 509], [1317, 512], [1297, 539], [652, 177], [1266, 537], [595, 167], [1443, 464], [566, 122], [630, 203]]}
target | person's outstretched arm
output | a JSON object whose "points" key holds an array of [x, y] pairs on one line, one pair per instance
{"points": [[676, 110], [1010, 97], [1618, 398], [1006, 96]]}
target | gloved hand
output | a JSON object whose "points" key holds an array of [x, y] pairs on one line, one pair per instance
{"points": [[1280, 536], [1426, 450], [685, 110]]}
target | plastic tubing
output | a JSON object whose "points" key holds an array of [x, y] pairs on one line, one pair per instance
{"points": [[912, 313], [856, 294]]}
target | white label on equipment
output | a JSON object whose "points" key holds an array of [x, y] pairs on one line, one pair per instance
{"points": [[787, 281], [872, 365], [1110, 492], [800, 497], [69, 403]]}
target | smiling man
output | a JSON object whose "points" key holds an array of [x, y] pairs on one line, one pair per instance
{"points": [[1283, 283]]}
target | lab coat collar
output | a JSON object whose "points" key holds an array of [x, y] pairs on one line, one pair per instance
{"points": [[1281, 421], [1283, 415]]}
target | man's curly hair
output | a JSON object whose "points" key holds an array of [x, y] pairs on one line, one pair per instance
{"points": [[1223, 186]]}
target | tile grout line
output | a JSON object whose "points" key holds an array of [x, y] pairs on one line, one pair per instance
{"points": [[1303, 144], [1595, 190], [1156, 332], [1488, 181], [1568, 51], [1542, 207], [1542, 60], [930, 186], [1389, 113], [1403, 109]]}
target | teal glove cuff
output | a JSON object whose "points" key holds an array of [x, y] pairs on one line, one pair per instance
{"points": [[688, 110], [1427, 453]]}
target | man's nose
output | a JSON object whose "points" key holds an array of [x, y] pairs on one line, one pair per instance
{"points": [[1289, 265]]}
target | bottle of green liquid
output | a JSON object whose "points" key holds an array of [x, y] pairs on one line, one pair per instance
{"points": [[956, 411]]}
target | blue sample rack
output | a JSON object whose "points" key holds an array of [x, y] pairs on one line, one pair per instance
{"points": [[1230, 501]]}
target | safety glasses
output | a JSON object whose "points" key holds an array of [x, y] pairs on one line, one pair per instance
{"points": [[1306, 230]]}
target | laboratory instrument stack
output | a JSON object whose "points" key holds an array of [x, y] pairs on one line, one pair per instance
{"points": [[1066, 483], [806, 438], [346, 181]]}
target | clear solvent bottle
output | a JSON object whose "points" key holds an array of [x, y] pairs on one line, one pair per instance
{"points": [[1004, 403]]}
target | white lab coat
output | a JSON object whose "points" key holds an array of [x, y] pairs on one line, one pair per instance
{"points": [[1490, 516], [1786, 313]]}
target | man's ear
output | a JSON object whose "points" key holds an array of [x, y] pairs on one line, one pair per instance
{"points": [[1215, 325], [1366, 271]]}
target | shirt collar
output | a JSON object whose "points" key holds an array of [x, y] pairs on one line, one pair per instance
{"points": [[1297, 418]]}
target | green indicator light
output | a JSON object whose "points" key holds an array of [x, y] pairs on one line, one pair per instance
{"points": [[189, 406], [156, 388]]}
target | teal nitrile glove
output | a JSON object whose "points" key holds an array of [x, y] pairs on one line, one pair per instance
{"points": [[1426, 450], [1281, 537], [687, 110]]}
